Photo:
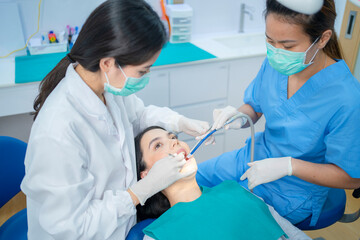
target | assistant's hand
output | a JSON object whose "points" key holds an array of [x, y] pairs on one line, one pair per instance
{"points": [[163, 173], [223, 114], [267, 170], [193, 127]]}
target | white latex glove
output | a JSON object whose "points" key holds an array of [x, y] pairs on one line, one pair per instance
{"points": [[193, 127], [163, 173], [209, 140], [267, 170], [223, 114]]}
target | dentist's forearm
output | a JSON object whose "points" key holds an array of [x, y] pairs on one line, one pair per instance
{"points": [[328, 175], [248, 110]]}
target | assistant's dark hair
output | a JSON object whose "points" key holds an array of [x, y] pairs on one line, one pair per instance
{"points": [[314, 25], [128, 30], [157, 204]]}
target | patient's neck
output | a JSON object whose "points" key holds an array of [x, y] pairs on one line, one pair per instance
{"points": [[182, 191]]}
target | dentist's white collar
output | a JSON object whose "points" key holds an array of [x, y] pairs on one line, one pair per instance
{"points": [[79, 91]]}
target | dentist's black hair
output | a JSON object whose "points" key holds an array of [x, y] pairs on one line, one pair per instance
{"points": [[314, 25], [128, 30], [157, 204]]}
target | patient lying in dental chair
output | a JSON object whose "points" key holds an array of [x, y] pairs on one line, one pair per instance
{"points": [[186, 211]]}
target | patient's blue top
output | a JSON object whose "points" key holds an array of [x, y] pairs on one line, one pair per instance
{"points": [[226, 211], [319, 124]]}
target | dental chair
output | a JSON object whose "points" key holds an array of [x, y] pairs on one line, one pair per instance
{"points": [[136, 232], [12, 171], [332, 212]]}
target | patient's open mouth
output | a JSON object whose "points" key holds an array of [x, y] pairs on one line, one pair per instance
{"points": [[181, 150]]}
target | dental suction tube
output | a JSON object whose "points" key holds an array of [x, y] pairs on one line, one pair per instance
{"points": [[239, 115]]}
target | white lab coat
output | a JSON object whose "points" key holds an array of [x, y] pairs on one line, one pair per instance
{"points": [[81, 160]]}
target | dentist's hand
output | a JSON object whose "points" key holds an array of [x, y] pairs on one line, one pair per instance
{"points": [[223, 114], [209, 140], [163, 173], [267, 170], [193, 127]]}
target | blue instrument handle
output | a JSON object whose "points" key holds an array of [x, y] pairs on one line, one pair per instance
{"points": [[209, 134], [200, 142]]}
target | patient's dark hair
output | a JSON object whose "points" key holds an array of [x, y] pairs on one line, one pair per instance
{"points": [[157, 204]]}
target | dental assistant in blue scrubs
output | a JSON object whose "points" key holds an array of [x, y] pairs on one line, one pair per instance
{"points": [[311, 103]]}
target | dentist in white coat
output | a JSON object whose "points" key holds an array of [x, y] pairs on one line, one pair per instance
{"points": [[80, 179]]}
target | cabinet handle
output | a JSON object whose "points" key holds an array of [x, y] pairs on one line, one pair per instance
{"points": [[162, 75], [350, 24]]}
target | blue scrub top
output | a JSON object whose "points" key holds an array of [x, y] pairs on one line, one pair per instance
{"points": [[319, 124]]}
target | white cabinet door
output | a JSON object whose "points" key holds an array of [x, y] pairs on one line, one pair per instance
{"points": [[157, 91], [18, 99], [242, 72], [198, 83]]}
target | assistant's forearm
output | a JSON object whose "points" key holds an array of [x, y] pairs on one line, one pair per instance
{"points": [[328, 175], [248, 110]]}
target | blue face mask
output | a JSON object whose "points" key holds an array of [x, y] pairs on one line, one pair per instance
{"points": [[288, 62], [132, 85]]}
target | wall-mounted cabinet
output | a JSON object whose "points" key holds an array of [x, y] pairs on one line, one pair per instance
{"points": [[157, 91], [18, 99], [198, 83]]}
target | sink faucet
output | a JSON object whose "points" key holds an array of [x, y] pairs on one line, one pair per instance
{"points": [[244, 10]]}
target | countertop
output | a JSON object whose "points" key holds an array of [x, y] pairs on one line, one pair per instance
{"points": [[217, 47]]}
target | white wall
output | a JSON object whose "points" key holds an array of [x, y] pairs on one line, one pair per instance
{"points": [[224, 16], [55, 14], [340, 9], [210, 16]]}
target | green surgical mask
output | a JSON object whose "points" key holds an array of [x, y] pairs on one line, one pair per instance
{"points": [[288, 62], [132, 85]]}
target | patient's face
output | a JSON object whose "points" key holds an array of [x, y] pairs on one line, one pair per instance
{"points": [[157, 144]]}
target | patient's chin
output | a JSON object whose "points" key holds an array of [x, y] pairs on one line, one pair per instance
{"points": [[190, 166]]}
